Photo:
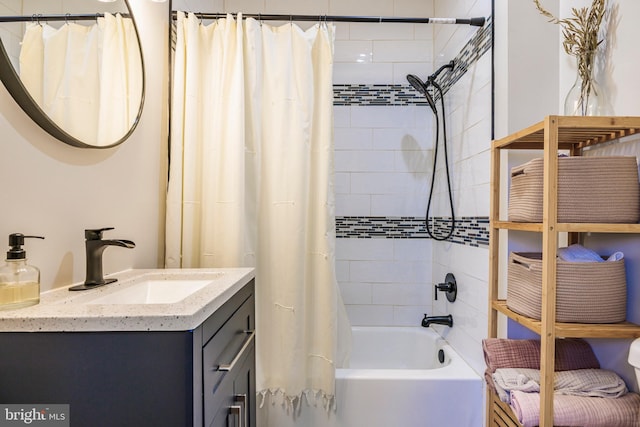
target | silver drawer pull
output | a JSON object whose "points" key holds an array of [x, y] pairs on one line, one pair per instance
{"points": [[230, 366], [242, 400], [236, 412]]}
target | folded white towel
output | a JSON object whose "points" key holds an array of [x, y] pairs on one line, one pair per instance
{"points": [[616, 256], [578, 253], [579, 382]]}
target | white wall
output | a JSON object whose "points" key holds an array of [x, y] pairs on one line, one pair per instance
{"points": [[57, 191], [526, 65]]}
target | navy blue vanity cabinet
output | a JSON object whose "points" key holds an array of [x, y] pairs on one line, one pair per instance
{"points": [[140, 378]]}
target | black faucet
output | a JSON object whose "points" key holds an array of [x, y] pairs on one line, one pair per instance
{"points": [[94, 248], [437, 320]]}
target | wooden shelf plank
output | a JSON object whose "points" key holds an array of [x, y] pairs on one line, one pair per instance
{"points": [[598, 228], [573, 330], [520, 226], [573, 131], [569, 227]]}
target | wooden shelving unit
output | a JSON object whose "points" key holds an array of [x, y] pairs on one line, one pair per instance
{"points": [[550, 135]]}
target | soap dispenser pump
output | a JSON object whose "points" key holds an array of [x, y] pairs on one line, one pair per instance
{"points": [[19, 281]]}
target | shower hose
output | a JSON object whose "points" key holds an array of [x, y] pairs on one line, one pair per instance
{"points": [[449, 233]]}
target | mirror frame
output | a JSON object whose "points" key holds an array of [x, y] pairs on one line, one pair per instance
{"points": [[20, 94]]}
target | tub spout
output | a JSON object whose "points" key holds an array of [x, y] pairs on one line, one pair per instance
{"points": [[94, 247], [437, 320]]}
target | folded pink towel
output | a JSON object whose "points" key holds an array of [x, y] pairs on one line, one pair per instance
{"points": [[571, 353], [623, 411]]}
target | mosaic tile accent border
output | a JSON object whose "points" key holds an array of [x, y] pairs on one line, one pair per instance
{"points": [[477, 46], [404, 94], [471, 231], [370, 95]]}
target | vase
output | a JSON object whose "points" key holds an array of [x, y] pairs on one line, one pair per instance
{"points": [[583, 99]]}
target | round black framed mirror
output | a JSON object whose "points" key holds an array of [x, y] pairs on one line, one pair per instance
{"points": [[79, 72]]}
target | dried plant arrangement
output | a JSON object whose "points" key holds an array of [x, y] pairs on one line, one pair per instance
{"points": [[580, 33]]}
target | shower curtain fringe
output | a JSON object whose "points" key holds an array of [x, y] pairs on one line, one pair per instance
{"points": [[293, 404], [476, 22]]}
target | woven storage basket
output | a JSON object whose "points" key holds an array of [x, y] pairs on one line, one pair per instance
{"points": [[590, 189], [586, 292]]}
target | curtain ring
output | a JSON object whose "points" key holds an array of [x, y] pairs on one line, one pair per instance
{"points": [[260, 19], [380, 19], [66, 18]]}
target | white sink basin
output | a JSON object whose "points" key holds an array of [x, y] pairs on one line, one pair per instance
{"points": [[153, 290]]}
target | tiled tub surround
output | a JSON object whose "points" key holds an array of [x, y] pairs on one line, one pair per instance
{"points": [[384, 148]]}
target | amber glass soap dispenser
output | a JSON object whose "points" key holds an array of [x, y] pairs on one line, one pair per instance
{"points": [[19, 282]]}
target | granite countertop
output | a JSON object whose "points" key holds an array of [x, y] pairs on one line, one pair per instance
{"points": [[61, 310]]}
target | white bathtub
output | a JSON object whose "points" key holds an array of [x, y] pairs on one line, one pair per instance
{"points": [[395, 380]]}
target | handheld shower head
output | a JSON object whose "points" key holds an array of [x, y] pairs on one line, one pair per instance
{"points": [[422, 87], [417, 84]]}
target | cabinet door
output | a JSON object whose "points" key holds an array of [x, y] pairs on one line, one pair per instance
{"points": [[237, 395], [244, 388], [225, 415]]}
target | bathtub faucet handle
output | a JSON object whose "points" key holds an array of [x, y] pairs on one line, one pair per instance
{"points": [[449, 287]]}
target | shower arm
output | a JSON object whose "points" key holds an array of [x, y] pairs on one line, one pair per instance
{"points": [[449, 66]]}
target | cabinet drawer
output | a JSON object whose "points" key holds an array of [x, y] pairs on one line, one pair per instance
{"points": [[228, 347], [222, 315], [234, 401]]}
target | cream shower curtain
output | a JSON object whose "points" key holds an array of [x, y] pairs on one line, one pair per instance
{"points": [[93, 79], [251, 184]]}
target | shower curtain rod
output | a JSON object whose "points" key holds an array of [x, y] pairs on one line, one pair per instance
{"points": [[56, 17], [476, 22]]}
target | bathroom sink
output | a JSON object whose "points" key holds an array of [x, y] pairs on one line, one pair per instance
{"points": [[153, 290]]}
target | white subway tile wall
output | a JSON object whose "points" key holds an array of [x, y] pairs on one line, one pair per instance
{"points": [[468, 105], [384, 281], [383, 158]]}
